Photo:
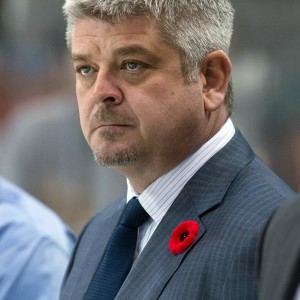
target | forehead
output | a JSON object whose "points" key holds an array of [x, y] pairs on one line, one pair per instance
{"points": [[100, 35]]}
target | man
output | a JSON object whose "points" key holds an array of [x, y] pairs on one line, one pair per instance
{"points": [[279, 258], [152, 82], [35, 247]]}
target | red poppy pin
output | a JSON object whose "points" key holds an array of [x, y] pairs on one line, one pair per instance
{"points": [[183, 236]]}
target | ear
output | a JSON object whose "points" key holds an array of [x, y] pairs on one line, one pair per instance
{"points": [[215, 73]]}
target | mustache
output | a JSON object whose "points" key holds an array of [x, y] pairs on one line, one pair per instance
{"points": [[104, 116]]}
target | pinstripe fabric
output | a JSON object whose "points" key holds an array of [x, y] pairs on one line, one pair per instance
{"points": [[230, 198]]}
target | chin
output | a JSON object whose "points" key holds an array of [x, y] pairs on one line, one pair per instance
{"points": [[118, 158]]}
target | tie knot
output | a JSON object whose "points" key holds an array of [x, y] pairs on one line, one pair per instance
{"points": [[134, 215]]}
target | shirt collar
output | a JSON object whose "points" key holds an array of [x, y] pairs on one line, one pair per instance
{"points": [[159, 196]]}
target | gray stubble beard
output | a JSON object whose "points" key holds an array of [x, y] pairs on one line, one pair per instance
{"points": [[123, 158]]}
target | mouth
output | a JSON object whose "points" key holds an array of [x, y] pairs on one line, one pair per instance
{"points": [[109, 132], [109, 120], [110, 126]]}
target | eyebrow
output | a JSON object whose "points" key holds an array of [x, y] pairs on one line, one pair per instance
{"points": [[123, 51], [136, 49], [80, 57]]}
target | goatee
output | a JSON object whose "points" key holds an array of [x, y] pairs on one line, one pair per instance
{"points": [[122, 158]]}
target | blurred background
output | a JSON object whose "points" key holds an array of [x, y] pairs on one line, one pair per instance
{"points": [[41, 145]]}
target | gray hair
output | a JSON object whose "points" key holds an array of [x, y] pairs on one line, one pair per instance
{"points": [[194, 27]]}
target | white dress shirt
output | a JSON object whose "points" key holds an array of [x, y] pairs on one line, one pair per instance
{"points": [[159, 196]]}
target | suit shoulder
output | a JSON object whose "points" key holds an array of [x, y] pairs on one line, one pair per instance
{"points": [[258, 181], [255, 194]]}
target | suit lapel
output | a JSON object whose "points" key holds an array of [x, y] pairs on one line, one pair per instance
{"points": [[202, 194], [156, 260], [97, 239]]}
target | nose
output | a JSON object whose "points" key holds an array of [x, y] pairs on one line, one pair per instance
{"points": [[106, 89]]}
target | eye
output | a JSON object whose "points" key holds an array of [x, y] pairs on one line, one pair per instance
{"points": [[85, 70], [132, 66]]}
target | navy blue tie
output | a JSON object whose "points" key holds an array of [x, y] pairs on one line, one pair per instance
{"points": [[119, 254]]}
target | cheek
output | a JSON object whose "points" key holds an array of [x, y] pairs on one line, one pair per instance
{"points": [[84, 116], [155, 116], [165, 107], [179, 109], [83, 122]]}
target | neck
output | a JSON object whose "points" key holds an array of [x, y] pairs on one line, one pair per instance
{"points": [[143, 173]]}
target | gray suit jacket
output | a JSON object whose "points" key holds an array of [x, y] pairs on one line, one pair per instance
{"points": [[279, 259], [230, 198]]}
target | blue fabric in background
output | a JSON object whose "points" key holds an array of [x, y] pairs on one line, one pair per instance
{"points": [[35, 247]]}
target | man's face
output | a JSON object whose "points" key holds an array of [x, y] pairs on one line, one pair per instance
{"points": [[135, 107]]}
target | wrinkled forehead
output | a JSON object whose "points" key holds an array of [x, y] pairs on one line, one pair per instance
{"points": [[122, 26], [137, 35]]}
